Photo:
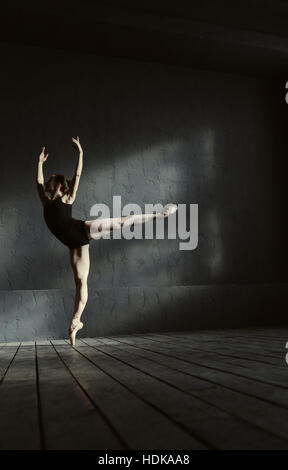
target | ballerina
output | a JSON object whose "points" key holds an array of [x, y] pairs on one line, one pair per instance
{"points": [[76, 234]]}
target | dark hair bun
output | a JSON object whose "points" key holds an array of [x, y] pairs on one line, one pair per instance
{"points": [[65, 183]]}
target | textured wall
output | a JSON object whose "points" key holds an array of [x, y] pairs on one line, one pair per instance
{"points": [[45, 314], [150, 133]]}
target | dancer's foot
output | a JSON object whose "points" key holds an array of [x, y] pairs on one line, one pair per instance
{"points": [[75, 326], [167, 210]]}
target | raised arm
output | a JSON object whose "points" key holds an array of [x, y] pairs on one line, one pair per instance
{"points": [[40, 177], [78, 170]]}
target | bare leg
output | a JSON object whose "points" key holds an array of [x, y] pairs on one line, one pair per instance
{"points": [[103, 227], [80, 262]]}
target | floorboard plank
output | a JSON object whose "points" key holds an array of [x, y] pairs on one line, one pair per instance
{"points": [[206, 389], [70, 421], [253, 343], [6, 356], [226, 353], [268, 393], [201, 417], [19, 421], [141, 425], [275, 377], [246, 408]]}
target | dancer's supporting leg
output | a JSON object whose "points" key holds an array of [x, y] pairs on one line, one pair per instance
{"points": [[80, 262], [103, 227]]}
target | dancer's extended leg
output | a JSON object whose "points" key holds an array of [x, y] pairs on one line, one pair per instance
{"points": [[80, 262], [103, 227]]}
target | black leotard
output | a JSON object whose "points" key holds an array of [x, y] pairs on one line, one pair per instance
{"points": [[59, 220]]}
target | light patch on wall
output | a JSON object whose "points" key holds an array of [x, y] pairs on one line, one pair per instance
{"points": [[152, 175]]}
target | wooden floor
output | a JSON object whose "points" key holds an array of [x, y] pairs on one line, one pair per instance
{"points": [[223, 389]]}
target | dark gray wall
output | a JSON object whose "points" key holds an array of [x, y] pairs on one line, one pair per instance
{"points": [[150, 133]]}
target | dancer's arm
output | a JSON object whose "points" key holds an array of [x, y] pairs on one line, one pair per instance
{"points": [[40, 177], [78, 170]]}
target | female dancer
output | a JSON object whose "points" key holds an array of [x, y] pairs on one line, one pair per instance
{"points": [[77, 234]]}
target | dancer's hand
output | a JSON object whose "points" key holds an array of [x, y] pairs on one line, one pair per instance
{"points": [[42, 156], [77, 144]]}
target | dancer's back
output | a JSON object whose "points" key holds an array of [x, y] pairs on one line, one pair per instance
{"points": [[58, 217]]}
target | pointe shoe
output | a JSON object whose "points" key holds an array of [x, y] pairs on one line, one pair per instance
{"points": [[75, 326], [168, 210]]}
